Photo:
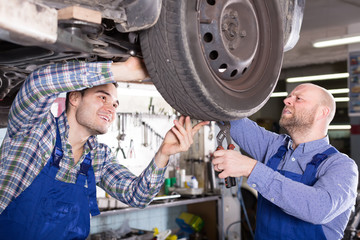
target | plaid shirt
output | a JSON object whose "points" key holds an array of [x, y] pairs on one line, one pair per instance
{"points": [[31, 134]]}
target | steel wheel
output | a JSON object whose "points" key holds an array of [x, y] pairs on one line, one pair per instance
{"points": [[215, 60]]}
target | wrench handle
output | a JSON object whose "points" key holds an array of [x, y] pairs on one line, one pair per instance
{"points": [[230, 182], [231, 146]]}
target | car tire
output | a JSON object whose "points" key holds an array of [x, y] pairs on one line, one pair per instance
{"points": [[215, 60]]}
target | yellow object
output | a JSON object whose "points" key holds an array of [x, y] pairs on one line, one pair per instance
{"points": [[189, 222], [156, 232], [171, 237]]}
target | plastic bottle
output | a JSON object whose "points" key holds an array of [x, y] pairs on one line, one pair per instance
{"points": [[194, 182], [178, 177], [182, 177]]}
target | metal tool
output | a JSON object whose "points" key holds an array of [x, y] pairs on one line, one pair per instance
{"points": [[145, 135], [120, 137], [225, 133], [123, 123], [131, 152], [120, 149]]}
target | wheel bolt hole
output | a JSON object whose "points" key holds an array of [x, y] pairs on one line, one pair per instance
{"points": [[213, 55], [208, 37], [211, 2], [244, 70], [233, 73], [222, 68]]}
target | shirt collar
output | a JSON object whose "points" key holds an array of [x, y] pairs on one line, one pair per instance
{"points": [[308, 146]]}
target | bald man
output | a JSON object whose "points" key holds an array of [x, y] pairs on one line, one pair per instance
{"points": [[307, 189]]}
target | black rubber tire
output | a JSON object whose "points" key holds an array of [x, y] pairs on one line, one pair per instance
{"points": [[179, 66]]}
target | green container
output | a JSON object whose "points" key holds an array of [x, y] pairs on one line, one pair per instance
{"points": [[167, 185]]}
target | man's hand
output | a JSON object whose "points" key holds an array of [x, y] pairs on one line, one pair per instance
{"points": [[131, 70], [232, 164], [178, 139]]}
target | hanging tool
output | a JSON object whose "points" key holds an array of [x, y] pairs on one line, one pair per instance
{"points": [[123, 123], [145, 135], [131, 152], [225, 133], [151, 138], [211, 130], [151, 106], [119, 148], [120, 137]]}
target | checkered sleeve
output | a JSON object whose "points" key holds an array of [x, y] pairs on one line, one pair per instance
{"points": [[43, 86], [29, 138], [136, 191]]}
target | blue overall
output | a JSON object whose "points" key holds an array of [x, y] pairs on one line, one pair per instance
{"points": [[274, 223], [52, 209]]}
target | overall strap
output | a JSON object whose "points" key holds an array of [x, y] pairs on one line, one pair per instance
{"points": [[85, 165], [58, 152], [276, 158], [308, 177], [87, 170]]}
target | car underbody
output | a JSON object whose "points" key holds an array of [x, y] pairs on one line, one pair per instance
{"points": [[224, 56]]}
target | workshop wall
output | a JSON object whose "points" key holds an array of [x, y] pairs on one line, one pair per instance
{"points": [[142, 121], [139, 135]]}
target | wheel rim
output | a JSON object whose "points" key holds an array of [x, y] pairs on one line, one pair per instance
{"points": [[231, 35]]}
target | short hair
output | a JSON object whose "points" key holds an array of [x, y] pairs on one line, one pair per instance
{"points": [[82, 92], [326, 99]]}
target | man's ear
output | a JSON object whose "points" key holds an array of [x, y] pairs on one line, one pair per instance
{"points": [[324, 112], [74, 98]]}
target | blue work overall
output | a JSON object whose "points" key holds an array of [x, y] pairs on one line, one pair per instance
{"points": [[272, 222], [52, 209]]}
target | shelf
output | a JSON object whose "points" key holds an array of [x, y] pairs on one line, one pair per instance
{"points": [[164, 203]]}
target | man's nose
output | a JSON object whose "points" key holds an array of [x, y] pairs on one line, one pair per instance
{"points": [[110, 107], [287, 101]]}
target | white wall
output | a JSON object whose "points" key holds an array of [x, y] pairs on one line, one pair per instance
{"points": [[2, 134]]}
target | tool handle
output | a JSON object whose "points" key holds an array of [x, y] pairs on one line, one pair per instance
{"points": [[230, 182], [220, 148], [231, 146]]}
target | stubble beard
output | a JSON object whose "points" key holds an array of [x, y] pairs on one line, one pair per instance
{"points": [[89, 123], [297, 123]]}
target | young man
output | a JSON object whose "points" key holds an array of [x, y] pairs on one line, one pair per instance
{"points": [[49, 166], [306, 188]]}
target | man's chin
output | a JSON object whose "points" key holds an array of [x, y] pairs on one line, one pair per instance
{"points": [[100, 131], [103, 131], [284, 123]]}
